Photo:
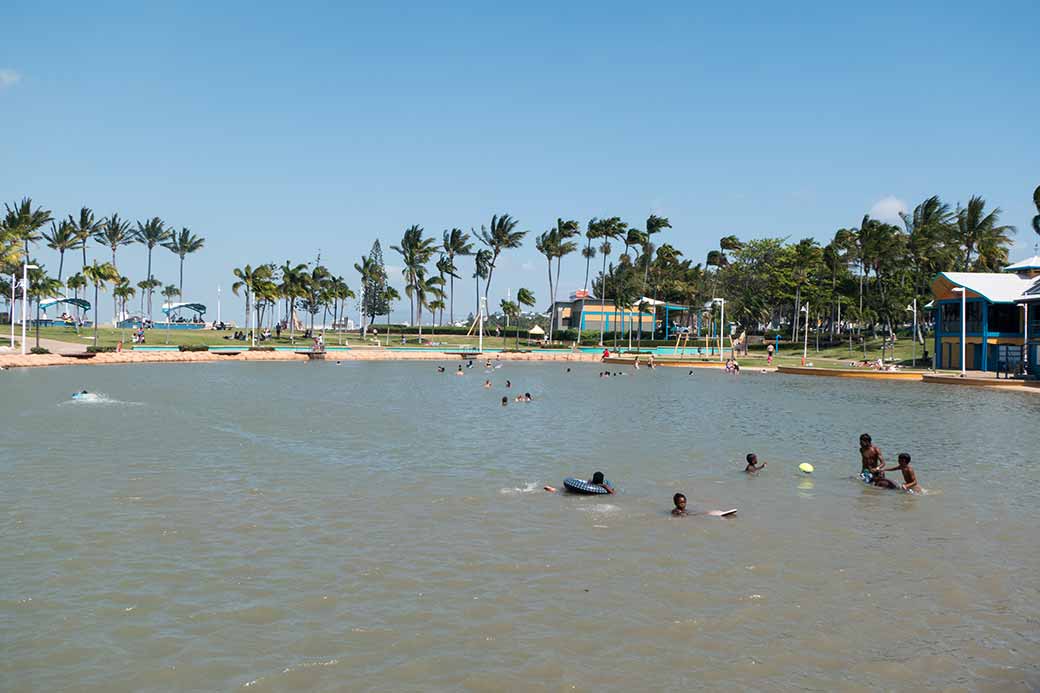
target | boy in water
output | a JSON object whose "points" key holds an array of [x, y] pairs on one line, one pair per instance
{"points": [[873, 465], [680, 505], [752, 464], [910, 484], [597, 479]]}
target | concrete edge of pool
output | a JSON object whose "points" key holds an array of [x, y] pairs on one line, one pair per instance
{"points": [[14, 360]]}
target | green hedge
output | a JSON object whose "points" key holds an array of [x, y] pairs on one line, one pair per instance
{"points": [[260, 348], [39, 350], [193, 347], [100, 349]]}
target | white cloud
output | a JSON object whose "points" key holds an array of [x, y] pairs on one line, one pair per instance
{"points": [[887, 209], [9, 78]]}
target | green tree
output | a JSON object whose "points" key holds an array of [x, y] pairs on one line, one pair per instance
{"points": [[24, 222], [249, 280], [500, 237], [981, 234], [114, 233], [150, 234], [1036, 203], [62, 237], [415, 252], [455, 244], [99, 275], [182, 244], [86, 227]]}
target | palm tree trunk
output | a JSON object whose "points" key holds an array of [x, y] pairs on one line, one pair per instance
{"points": [[180, 284], [552, 309], [148, 278], [96, 289], [602, 299], [451, 284]]}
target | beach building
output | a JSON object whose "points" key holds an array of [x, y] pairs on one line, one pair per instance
{"points": [[1002, 317], [589, 313]]}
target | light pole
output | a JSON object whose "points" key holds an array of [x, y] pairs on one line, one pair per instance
{"points": [[25, 292], [964, 324], [218, 304], [914, 336], [481, 307], [1025, 338], [14, 285], [805, 343], [722, 325]]}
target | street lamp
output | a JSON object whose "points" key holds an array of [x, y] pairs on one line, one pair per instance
{"points": [[964, 323], [722, 324], [914, 336], [25, 290], [1025, 338], [805, 345]]}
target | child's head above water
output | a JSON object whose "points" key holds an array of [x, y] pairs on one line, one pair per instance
{"points": [[597, 478], [904, 459], [680, 501], [752, 458]]}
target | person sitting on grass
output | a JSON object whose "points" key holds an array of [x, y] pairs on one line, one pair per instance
{"points": [[680, 505], [597, 480], [752, 464]]}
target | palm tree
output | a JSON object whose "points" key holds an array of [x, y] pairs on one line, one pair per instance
{"points": [[25, 222], [150, 234], [500, 237], [41, 286], [62, 237], [124, 291], [609, 229], [292, 288], [99, 275], [86, 227], [183, 243], [77, 282], [456, 244], [250, 279], [511, 310], [565, 230], [524, 297], [169, 293], [1036, 203], [588, 252], [389, 295], [415, 251], [548, 245], [445, 267], [425, 289], [981, 233], [114, 233], [481, 260]]}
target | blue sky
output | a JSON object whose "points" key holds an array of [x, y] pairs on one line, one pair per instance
{"points": [[275, 130]]}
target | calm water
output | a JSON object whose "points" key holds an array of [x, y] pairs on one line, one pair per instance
{"points": [[379, 526]]}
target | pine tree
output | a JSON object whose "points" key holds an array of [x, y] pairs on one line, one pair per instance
{"points": [[375, 286]]}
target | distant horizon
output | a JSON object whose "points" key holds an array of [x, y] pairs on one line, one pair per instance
{"points": [[277, 133]]}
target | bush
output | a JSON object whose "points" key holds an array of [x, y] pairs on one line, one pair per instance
{"points": [[39, 350], [260, 348], [193, 347], [100, 349]]}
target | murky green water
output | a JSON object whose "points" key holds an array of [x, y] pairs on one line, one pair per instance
{"points": [[379, 526]]}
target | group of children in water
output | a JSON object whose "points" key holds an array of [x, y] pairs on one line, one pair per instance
{"points": [[526, 397]]}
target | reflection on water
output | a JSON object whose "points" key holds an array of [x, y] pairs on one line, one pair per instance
{"points": [[382, 526]]}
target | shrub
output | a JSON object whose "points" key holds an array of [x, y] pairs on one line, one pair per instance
{"points": [[100, 349], [193, 347], [39, 350], [260, 348]]}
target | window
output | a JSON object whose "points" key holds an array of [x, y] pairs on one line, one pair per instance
{"points": [[1004, 318], [951, 317]]}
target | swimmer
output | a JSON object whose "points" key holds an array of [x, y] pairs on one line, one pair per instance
{"points": [[873, 464], [459, 371], [470, 364], [568, 370], [680, 505], [597, 480], [440, 369], [519, 398], [505, 401], [752, 464], [690, 373], [910, 484], [487, 384], [508, 384], [527, 396]]}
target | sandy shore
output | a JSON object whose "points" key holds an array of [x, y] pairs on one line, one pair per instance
{"points": [[9, 360]]}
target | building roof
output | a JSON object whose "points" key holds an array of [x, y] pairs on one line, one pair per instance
{"points": [[1030, 263], [992, 286]]}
